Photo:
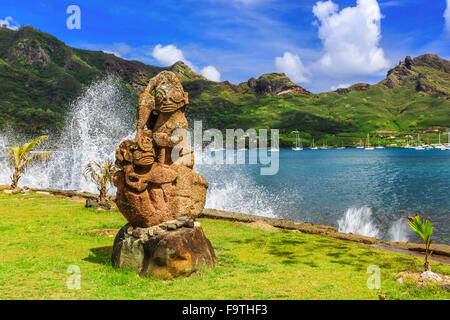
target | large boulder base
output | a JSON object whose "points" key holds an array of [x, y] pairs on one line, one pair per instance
{"points": [[170, 249]]}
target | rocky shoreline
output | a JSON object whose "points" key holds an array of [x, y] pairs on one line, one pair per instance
{"points": [[441, 252]]}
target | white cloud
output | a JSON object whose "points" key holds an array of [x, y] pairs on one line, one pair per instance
{"points": [[340, 86], [211, 73], [168, 55], [350, 38], [292, 66], [323, 10], [9, 23], [447, 17]]}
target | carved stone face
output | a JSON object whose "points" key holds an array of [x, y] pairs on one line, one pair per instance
{"points": [[139, 153], [169, 94]]}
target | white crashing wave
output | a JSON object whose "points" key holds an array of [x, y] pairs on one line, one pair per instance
{"points": [[96, 124], [232, 188], [358, 221], [399, 230], [98, 120]]}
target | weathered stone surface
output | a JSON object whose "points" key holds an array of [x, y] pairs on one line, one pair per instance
{"points": [[90, 203], [423, 278], [164, 253], [157, 181], [430, 276], [436, 248], [276, 83]]}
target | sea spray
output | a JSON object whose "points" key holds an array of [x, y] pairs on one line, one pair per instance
{"points": [[97, 121], [232, 188], [358, 221], [399, 230]]}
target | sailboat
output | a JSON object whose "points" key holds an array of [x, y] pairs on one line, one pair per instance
{"points": [[360, 146], [298, 143], [368, 144], [439, 145], [448, 142], [379, 145], [419, 147], [324, 147], [313, 146], [408, 146], [428, 146]]}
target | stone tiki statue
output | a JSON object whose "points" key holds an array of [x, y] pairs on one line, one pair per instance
{"points": [[156, 181]]}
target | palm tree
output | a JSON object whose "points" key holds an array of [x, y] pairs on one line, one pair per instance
{"points": [[21, 157], [100, 174], [424, 229]]}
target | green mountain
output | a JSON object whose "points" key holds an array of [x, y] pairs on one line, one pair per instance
{"points": [[40, 75], [414, 97]]}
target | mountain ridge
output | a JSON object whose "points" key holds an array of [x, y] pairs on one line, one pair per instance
{"points": [[40, 75]]}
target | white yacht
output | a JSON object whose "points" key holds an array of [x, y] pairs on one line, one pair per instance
{"points": [[360, 146], [419, 146], [379, 146], [368, 147], [298, 142], [313, 147], [324, 147]]}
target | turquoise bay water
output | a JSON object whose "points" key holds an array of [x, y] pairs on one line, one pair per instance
{"points": [[359, 191]]}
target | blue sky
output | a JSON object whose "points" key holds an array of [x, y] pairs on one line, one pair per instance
{"points": [[320, 44]]}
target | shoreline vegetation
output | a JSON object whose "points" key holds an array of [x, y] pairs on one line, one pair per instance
{"points": [[38, 231]]}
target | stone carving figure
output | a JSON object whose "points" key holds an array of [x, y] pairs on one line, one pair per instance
{"points": [[156, 181]]}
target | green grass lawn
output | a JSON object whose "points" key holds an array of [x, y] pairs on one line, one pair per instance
{"points": [[41, 236]]}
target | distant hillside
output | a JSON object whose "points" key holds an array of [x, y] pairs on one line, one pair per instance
{"points": [[414, 96], [40, 75]]}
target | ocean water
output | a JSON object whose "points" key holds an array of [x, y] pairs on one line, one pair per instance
{"points": [[358, 191]]}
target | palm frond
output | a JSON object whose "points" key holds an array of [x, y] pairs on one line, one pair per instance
{"points": [[20, 157], [423, 229], [14, 156], [99, 173], [30, 146], [91, 172], [32, 159]]}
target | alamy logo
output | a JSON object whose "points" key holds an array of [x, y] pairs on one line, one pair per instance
{"points": [[74, 20], [258, 150], [374, 281], [74, 280]]}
